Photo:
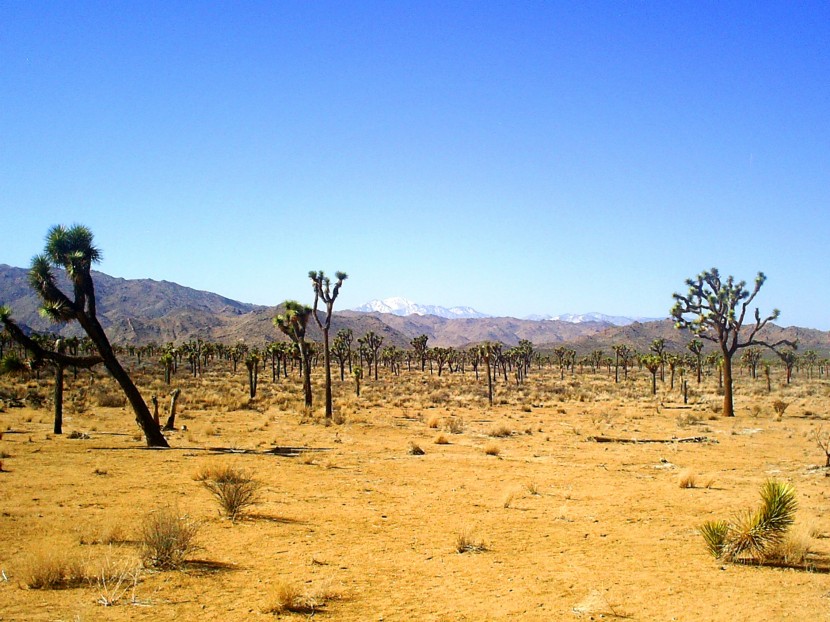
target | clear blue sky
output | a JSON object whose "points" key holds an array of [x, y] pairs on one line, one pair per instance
{"points": [[518, 157]]}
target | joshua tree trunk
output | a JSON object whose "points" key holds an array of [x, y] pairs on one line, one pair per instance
{"points": [[171, 419], [726, 373], [152, 431], [58, 429]]}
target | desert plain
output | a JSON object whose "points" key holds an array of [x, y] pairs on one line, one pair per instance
{"points": [[419, 502]]}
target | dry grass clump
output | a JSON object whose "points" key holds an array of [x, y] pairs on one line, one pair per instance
{"points": [[794, 549], [491, 449], [690, 479], [235, 489], [466, 541], [441, 440], [454, 425], [687, 479], [292, 598], [167, 538], [415, 449], [53, 569], [109, 398], [112, 532], [779, 406], [501, 431]]}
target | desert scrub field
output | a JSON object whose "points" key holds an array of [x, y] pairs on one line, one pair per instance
{"points": [[513, 511]]}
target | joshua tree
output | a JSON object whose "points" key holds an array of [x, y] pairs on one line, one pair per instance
{"points": [[252, 363], [622, 354], [718, 310], [789, 358], [294, 323], [658, 346], [419, 344], [695, 346], [322, 291], [810, 358], [751, 357], [72, 249], [166, 361], [341, 347], [372, 343], [358, 374], [486, 350], [653, 363]]}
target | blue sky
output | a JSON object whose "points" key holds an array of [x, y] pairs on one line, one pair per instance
{"points": [[517, 157]]}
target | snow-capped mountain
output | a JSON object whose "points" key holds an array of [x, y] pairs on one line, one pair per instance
{"points": [[579, 318], [403, 306]]}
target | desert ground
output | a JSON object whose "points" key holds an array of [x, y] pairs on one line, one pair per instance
{"points": [[509, 512]]}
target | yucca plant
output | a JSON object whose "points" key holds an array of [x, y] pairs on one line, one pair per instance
{"points": [[714, 533], [754, 533]]}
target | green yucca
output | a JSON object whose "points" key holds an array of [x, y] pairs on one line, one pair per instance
{"points": [[714, 533], [754, 533]]}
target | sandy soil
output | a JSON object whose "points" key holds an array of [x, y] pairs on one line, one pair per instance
{"points": [[572, 529]]}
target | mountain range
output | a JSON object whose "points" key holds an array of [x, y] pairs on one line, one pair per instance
{"points": [[139, 311]]}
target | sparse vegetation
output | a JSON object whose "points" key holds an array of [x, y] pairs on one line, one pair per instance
{"points": [[467, 541], [235, 489], [291, 598], [168, 537], [54, 569]]}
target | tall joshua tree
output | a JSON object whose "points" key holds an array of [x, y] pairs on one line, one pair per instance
{"points": [[293, 323], [322, 291], [73, 250], [715, 309]]}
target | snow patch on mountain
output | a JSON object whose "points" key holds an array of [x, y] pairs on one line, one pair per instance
{"points": [[579, 318], [403, 306]]}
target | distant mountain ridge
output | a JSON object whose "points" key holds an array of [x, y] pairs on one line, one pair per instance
{"points": [[140, 311]]}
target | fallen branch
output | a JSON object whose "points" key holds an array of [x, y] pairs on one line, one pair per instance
{"points": [[688, 439], [277, 451]]}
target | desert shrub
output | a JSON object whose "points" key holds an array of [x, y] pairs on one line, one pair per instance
{"points": [[290, 597], [167, 538], [466, 541], [491, 449], [754, 534], [415, 449], [109, 399], [779, 406], [53, 569], [501, 431], [793, 549], [441, 440], [235, 489]]}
